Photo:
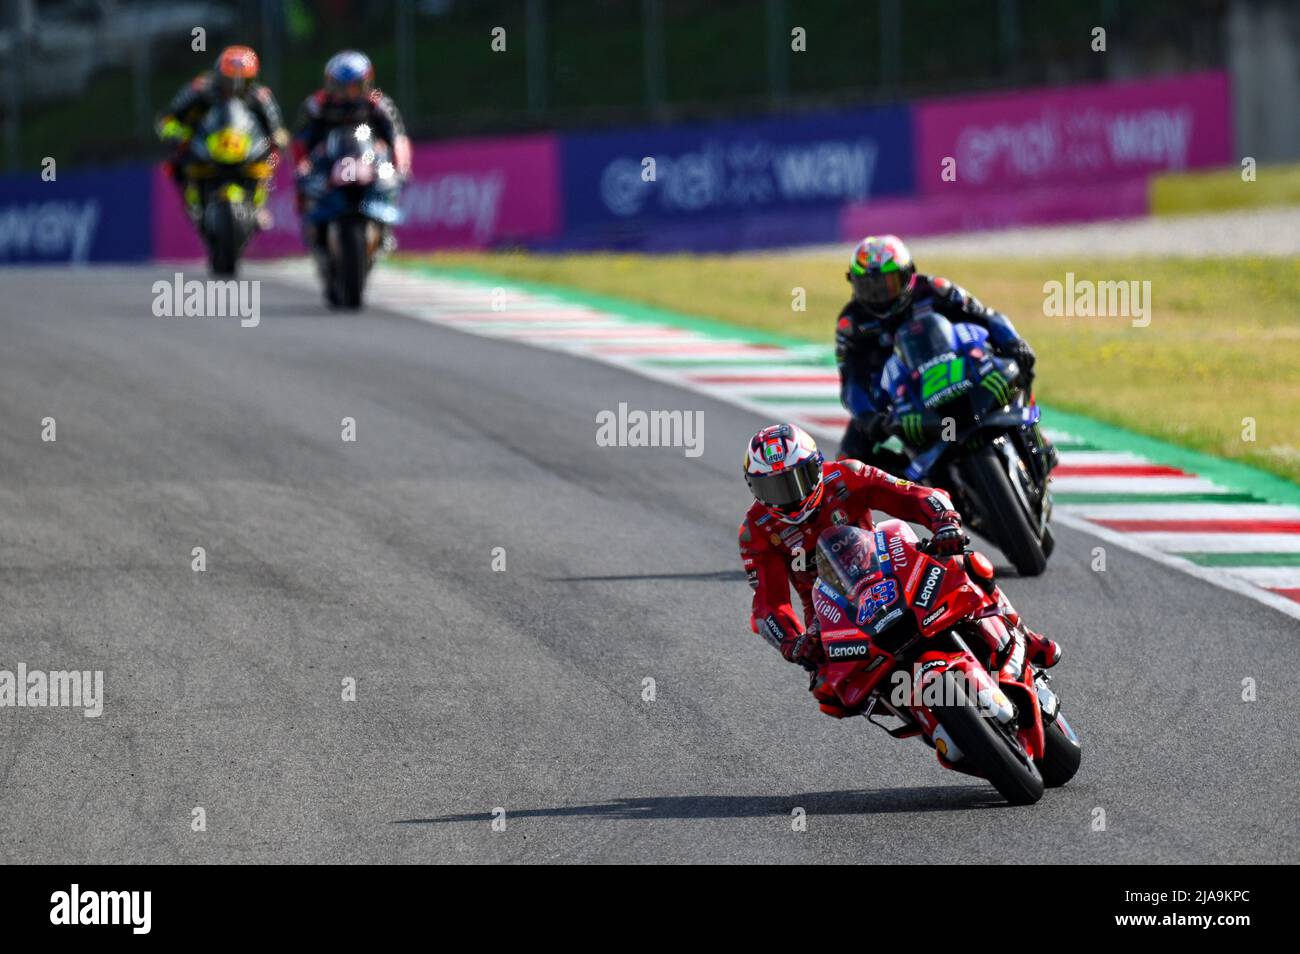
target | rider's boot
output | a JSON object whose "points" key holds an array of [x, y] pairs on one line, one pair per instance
{"points": [[1042, 652], [193, 202], [265, 220]]}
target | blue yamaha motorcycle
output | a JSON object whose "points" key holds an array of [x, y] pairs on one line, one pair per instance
{"points": [[352, 192], [969, 426]]}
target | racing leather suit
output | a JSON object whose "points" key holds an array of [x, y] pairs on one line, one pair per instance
{"points": [[187, 110], [317, 117], [864, 342], [777, 554]]}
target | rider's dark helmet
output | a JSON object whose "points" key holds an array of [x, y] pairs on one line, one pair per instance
{"points": [[349, 77], [235, 69], [882, 274]]}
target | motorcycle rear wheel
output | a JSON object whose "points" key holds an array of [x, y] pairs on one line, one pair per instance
{"points": [[1008, 522], [1016, 778]]}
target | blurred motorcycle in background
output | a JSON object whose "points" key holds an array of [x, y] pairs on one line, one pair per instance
{"points": [[230, 158], [352, 192]]}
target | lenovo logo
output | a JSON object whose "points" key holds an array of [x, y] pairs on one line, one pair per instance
{"points": [[929, 587], [858, 649]]}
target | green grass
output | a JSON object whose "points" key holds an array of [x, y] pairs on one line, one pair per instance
{"points": [[1223, 344], [1223, 189]]}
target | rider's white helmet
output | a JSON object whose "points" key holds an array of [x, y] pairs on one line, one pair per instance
{"points": [[783, 468]]}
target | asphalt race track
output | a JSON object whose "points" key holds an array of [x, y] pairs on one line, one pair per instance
{"points": [[519, 689]]}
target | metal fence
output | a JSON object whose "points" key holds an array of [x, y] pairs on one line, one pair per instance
{"points": [[84, 78]]}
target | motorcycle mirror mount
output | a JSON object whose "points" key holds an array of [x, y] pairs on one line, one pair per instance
{"points": [[980, 565], [981, 569]]}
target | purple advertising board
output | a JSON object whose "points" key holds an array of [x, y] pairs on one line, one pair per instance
{"points": [[1081, 134], [718, 186], [463, 194]]}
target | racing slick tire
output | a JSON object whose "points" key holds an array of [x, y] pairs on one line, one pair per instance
{"points": [[1061, 756], [1010, 525], [353, 262], [1011, 770]]}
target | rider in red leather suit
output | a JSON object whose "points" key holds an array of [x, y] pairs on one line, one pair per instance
{"points": [[798, 495]]}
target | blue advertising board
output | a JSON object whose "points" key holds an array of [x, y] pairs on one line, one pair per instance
{"points": [[618, 183], [100, 216]]}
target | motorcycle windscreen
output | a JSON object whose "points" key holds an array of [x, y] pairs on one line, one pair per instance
{"points": [[229, 134], [847, 560], [922, 339], [356, 142]]}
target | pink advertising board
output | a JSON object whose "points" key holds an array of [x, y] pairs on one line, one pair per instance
{"points": [[981, 211], [463, 194], [1074, 135]]}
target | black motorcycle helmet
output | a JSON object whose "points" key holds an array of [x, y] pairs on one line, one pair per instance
{"points": [[883, 275]]}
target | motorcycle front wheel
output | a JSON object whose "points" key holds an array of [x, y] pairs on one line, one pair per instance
{"points": [[1008, 523], [1062, 754], [1012, 773], [352, 261], [222, 235]]}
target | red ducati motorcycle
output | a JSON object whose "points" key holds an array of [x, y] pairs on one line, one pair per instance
{"points": [[930, 647]]}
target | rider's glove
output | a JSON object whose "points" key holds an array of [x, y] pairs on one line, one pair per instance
{"points": [[948, 540], [913, 427], [804, 649], [1024, 356], [172, 129], [877, 428]]}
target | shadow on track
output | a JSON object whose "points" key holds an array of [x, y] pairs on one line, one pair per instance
{"points": [[946, 798]]}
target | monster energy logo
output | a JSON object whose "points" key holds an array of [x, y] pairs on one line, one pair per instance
{"points": [[912, 428], [997, 385]]}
